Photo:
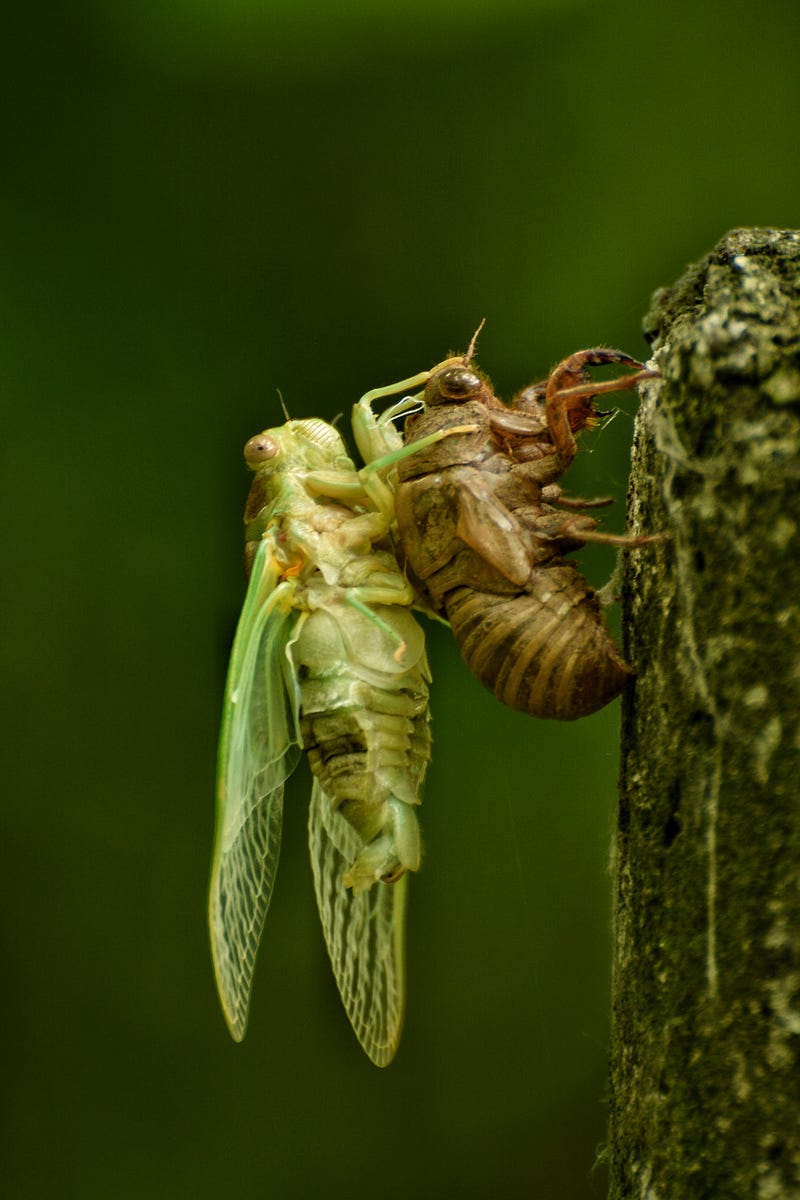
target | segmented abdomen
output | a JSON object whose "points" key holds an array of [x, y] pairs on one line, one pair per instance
{"points": [[545, 651], [364, 723]]}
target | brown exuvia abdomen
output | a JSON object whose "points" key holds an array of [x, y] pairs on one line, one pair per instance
{"points": [[545, 651]]}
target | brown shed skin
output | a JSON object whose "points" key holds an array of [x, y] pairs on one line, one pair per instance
{"points": [[485, 531]]}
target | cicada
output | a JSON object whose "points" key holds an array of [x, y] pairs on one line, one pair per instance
{"points": [[327, 658], [484, 528]]}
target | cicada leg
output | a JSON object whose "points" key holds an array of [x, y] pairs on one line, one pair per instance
{"points": [[353, 490], [574, 528], [381, 446], [378, 440], [377, 436], [388, 460], [568, 383], [555, 527], [552, 494], [362, 598]]}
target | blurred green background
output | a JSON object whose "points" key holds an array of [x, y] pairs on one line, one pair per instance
{"points": [[202, 203]]}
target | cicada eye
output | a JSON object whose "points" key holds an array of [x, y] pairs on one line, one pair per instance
{"points": [[455, 385], [260, 449]]}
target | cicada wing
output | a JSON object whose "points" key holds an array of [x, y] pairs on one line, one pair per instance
{"points": [[365, 934], [259, 748]]}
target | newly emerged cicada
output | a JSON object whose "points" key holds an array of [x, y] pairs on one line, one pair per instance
{"points": [[328, 658], [484, 528]]}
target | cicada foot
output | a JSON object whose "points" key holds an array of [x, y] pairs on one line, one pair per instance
{"points": [[571, 375]]}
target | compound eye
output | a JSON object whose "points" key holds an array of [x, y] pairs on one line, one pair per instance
{"points": [[458, 384], [260, 449]]}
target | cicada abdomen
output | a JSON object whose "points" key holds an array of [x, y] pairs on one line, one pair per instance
{"points": [[545, 651], [364, 725]]}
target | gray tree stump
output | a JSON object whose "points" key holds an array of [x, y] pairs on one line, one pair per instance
{"points": [[705, 1073]]}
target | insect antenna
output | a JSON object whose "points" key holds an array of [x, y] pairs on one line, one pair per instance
{"points": [[473, 343], [283, 405]]}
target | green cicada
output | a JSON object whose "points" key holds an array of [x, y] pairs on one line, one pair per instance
{"points": [[327, 658]]}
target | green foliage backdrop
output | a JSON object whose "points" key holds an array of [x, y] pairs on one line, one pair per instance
{"points": [[202, 203]]}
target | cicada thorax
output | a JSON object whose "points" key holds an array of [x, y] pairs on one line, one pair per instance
{"points": [[364, 725], [488, 549]]}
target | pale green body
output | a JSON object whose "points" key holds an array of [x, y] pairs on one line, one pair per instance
{"points": [[327, 657]]}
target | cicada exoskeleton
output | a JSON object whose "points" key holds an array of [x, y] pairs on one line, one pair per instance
{"points": [[484, 529]]}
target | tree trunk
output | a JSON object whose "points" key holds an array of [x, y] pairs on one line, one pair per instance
{"points": [[705, 1073]]}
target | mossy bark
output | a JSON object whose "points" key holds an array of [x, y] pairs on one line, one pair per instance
{"points": [[705, 1073]]}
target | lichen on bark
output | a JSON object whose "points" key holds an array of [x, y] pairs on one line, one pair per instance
{"points": [[705, 1072]]}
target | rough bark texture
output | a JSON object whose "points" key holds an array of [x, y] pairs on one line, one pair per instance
{"points": [[705, 1075]]}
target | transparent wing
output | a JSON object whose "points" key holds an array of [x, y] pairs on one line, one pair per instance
{"points": [[258, 749], [365, 934]]}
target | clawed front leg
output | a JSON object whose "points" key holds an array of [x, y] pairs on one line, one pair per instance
{"points": [[569, 394]]}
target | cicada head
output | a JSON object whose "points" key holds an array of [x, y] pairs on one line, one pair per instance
{"points": [[453, 382], [312, 445], [279, 459]]}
